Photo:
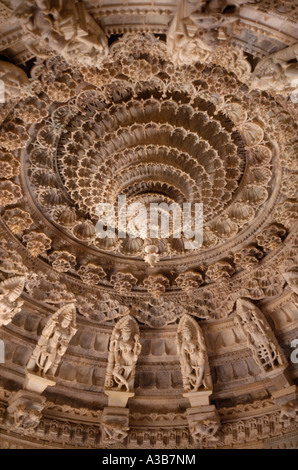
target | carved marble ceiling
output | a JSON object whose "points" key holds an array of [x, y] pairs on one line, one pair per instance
{"points": [[174, 102]]}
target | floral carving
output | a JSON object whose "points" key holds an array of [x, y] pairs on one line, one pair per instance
{"points": [[10, 193], [13, 136], [157, 313], [271, 237], [61, 90], [17, 219], [9, 165], [31, 110], [262, 283], [91, 273], [220, 270], [156, 284], [37, 242], [248, 257], [47, 289], [101, 308], [189, 281], [123, 282], [62, 260]]}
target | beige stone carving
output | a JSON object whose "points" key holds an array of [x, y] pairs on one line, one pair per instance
{"points": [[91, 273], [10, 302], [37, 242], [124, 350], [17, 219], [278, 71], [204, 432], [115, 425], [184, 49], [24, 410], [64, 27], [123, 282], [292, 279], [156, 284], [62, 260], [199, 27], [260, 338], [15, 80], [142, 126], [189, 281], [54, 341], [193, 356], [289, 414]]}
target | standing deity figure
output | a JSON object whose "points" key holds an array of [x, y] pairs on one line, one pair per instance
{"points": [[54, 341], [261, 340], [124, 350], [193, 356], [10, 302], [63, 26]]}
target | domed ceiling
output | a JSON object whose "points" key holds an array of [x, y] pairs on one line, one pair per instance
{"points": [[139, 341]]}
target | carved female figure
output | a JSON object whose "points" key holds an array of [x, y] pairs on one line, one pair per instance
{"points": [[54, 341], [193, 355], [124, 351]]}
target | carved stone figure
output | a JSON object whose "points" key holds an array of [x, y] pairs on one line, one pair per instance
{"points": [[260, 338], [289, 414], [24, 410], [115, 425], [186, 49], [26, 418], [292, 279], [115, 432], [213, 14], [203, 432], [277, 72], [199, 26], [193, 355], [54, 340], [124, 350], [65, 27], [10, 302], [15, 80]]}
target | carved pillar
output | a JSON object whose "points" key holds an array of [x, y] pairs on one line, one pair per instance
{"points": [[262, 342], [124, 350], [202, 417]]}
